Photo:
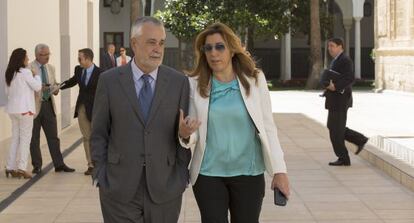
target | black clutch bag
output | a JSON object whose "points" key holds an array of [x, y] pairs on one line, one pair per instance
{"points": [[328, 75]]}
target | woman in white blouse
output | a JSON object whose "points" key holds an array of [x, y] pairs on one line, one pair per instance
{"points": [[123, 59], [21, 85]]}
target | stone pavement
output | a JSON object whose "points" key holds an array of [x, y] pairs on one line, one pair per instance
{"points": [[359, 194]]}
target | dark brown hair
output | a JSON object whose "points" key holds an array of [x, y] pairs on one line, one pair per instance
{"points": [[338, 41], [16, 62], [88, 53]]}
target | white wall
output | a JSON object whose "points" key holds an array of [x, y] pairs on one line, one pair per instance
{"points": [[25, 23]]}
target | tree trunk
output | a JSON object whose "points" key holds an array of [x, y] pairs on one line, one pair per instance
{"points": [[136, 9], [315, 47]]}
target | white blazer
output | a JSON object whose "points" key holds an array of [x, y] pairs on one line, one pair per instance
{"points": [[119, 60], [20, 93], [34, 65], [260, 110]]}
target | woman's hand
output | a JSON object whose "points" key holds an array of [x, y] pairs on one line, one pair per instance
{"points": [[281, 181]]}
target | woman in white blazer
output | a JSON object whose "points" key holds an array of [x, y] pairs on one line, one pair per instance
{"points": [[237, 139], [123, 59], [21, 85]]}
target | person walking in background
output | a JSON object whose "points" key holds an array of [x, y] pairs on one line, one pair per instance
{"points": [[108, 59], [237, 139], [46, 113], [141, 169], [86, 77], [338, 95], [21, 84], [123, 59]]}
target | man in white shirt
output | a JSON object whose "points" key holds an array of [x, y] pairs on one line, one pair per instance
{"points": [[46, 113]]}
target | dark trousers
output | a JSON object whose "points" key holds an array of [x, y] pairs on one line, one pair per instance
{"points": [[338, 133], [46, 119], [141, 209], [242, 195]]}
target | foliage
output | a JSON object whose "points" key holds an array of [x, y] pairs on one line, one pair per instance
{"points": [[185, 18]]}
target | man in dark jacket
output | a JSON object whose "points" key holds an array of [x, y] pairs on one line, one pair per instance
{"points": [[86, 77], [338, 99], [108, 59]]}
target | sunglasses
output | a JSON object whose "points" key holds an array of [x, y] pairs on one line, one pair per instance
{"points": [[208, 47]]}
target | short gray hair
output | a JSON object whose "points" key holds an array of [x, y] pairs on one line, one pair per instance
{"points": [[137, 26], [39, 47]]}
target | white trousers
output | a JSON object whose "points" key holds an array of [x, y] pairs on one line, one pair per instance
{"points": [[22, 126]]}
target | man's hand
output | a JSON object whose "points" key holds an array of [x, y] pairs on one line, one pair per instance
{"points": [[187, 125], [45, 87], [331, 86], [34, 72], [281, 181]]}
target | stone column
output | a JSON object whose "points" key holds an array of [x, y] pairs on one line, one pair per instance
{"points": [[357, 57], [285, 59], [65, 53], [347, 27], [3, 50]]}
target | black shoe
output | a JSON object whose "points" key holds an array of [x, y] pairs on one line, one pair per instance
{"points": [[36, 170], [361, 147], [340, 162], [64, 168], [89, 171]]}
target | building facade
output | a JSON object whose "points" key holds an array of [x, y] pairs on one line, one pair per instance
{"points": [[394, 45]]}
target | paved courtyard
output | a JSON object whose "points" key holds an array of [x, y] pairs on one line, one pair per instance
{"points": [[359, 194]]}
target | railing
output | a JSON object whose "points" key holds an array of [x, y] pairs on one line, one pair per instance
{"points": [[400, 147]]}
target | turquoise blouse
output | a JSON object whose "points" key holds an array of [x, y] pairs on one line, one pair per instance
{"points": [[232, 147]]}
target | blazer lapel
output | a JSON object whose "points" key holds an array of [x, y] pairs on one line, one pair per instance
{"points": [[160, 90], [128, 85], [203, 105], [248, 100]]}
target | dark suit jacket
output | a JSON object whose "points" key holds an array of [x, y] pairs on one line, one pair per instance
{"points": [[341, 98], [121, 142], [86, 94], [106, 62]]}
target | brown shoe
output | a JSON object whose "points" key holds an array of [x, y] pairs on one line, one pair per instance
{"points": [[89, 171], [13, 173], [24, 174]]}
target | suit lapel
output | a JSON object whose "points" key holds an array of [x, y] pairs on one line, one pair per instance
{"points": [[161, 85], [128, 85]]}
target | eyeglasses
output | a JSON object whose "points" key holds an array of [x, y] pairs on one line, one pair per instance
{"points": [[208, 47]]}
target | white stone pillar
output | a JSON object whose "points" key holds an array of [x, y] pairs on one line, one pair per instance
{"points": [[357, 58], [285, 57], [3, 49], [347, 27], [65, 54], [288, 45]]}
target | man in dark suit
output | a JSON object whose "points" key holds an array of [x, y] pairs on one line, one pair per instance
{"points": [[140, 167], [338, 99], [108, 59], [86, 77]]}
